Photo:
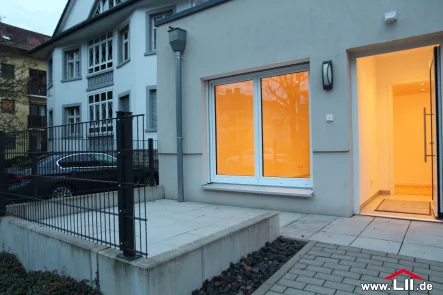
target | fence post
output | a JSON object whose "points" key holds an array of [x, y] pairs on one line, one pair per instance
{"points": [[151, 162], [125, 167], [2, 175], [34, 172]]}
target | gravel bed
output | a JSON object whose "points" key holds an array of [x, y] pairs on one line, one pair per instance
{"points": [[245, 276]]}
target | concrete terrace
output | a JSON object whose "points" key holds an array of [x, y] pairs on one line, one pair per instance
{"points": [[171, 225]]}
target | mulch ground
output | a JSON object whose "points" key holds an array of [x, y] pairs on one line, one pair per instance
{"points": [[245, 276]]}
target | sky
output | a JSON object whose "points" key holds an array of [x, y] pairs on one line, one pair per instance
{"points": [[36, 15]]}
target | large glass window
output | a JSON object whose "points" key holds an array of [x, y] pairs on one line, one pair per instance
{"points": [[72, 117], [234, 119], [101, 112], [100, 53], [72, 64], [285, 121], [260, 129]]}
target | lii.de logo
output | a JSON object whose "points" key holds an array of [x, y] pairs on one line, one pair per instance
{"points": [[407, 284]]}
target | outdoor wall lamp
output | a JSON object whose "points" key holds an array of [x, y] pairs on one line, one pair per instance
{"points": [[327, 77], [391, 17]]}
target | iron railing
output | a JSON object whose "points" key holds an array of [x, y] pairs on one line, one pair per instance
{"points": [[90, 184], [37, 121], [37, 88]]}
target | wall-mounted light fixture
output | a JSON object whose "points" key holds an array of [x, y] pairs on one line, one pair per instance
{"points": [[327, 77], [391, 17]]}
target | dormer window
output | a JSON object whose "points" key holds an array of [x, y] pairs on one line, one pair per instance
{"points": [[104, 5]]}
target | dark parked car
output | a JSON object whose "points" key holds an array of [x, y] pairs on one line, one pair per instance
{"points": [[73, 174]]}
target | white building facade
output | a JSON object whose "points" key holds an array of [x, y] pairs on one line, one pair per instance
{"points": [[306, 106], [102, 59]]}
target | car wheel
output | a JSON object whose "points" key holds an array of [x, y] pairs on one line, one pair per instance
{"points": [[61, 191]]}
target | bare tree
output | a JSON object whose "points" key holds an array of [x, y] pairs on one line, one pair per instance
{"points": [[14, 79]]}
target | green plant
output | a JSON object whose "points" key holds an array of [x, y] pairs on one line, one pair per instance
{"points": [[14, 280]]}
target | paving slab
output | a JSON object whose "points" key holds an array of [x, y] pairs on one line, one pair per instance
{"points": [[339, 239], [309, 274], [393, 236], [386, 229], [377, 244]]}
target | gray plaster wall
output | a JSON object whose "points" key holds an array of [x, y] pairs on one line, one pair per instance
{"points": [[175, 272], [40, 248], [247, 35]]}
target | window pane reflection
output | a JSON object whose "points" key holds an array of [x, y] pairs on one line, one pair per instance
{"points": [[234, 105], [285, 122]]}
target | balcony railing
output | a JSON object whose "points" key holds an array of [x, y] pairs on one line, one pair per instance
{"points": [[36, 121], [37, 89]]}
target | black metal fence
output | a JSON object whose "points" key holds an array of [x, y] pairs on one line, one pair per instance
{"points": [[92, 180]]}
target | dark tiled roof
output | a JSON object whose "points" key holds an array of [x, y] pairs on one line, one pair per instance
{"points": [[20, 38]]}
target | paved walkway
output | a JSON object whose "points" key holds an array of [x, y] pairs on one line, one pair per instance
{"points": [[321, 268], [411, 238]]}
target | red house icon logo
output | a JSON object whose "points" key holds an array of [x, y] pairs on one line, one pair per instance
{"points": [[406, 272], [409, 284]]}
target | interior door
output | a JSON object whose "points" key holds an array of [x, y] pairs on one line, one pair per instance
{"points": [[434, 142]]}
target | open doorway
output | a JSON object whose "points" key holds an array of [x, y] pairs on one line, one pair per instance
{"points": [[398, 142]]}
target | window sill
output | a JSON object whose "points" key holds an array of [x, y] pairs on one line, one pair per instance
{"points": [[123, 63], [258, 189], [150, 130], [100, 73], [149, 53], [71, 79]]}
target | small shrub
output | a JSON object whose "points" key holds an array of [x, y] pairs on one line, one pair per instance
{"points": [[14, 280]]}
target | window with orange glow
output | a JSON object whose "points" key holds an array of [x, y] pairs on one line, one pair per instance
{"points": [[260, 128], [285, 126], [234, 107]]}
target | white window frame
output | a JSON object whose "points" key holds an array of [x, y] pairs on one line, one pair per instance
{"points": [[108, 121], [104, 5], [122, 44], [76, 118], [257, 179], [125, 42], [95, 44], [75, 64], [153, 33], [150, 110]]}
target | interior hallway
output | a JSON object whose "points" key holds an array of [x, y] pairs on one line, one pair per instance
{"points": [[394, 107]]}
